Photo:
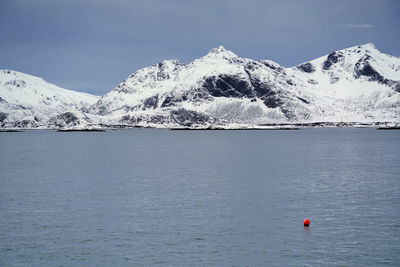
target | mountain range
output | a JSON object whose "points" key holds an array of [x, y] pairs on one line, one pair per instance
{"points": [[355, 86]]}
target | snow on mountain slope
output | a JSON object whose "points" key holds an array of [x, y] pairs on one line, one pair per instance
{"points": [[355, 84], [358, 84], [30, 102], [219, 88]]}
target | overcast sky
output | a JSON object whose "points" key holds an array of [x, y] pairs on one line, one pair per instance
{"points": [[91, 46]]}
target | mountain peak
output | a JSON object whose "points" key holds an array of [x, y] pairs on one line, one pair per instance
{"points": [[218, 49], [221, 51], [368, 45]]}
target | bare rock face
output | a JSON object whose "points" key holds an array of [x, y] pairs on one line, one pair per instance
{"points": [[332, 59], [189, 118], [364, 69], [227, 86], [3, 116], [306, 67]]}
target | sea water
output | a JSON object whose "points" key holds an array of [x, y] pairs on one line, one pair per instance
{"points": [[200, 198]]}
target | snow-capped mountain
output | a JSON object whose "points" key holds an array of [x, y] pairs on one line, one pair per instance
{"points": [[30, 102], [219, 88], [358, 84]]}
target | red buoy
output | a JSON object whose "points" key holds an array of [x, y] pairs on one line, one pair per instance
{"points": [[307, 222]]}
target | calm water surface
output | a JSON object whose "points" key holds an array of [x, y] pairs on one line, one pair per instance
{"points": [[200, 198]]}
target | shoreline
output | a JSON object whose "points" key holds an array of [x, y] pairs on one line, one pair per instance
{"points": [[256, 128]]}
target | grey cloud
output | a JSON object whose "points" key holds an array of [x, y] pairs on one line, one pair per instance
{"points": [[359, 26]]}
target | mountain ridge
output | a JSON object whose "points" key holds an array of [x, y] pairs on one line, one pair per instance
{"points": [[356, 84]]}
